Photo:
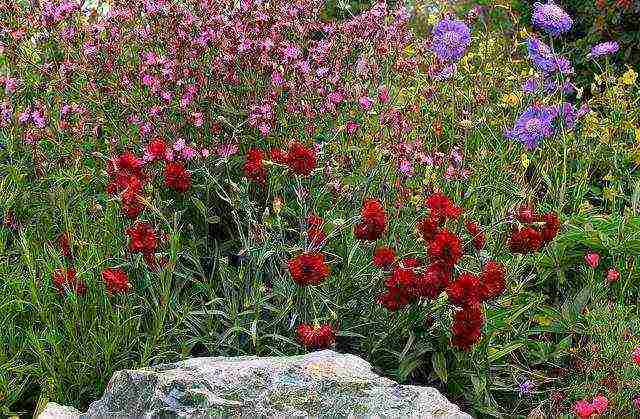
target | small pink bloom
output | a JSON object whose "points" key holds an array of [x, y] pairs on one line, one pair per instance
{"points": [[179, 144], [636, 402], [383, 95], [366, 103], [612, 275], [592, 259], [406, 168], [583, 409], [335, 97], [352, 127], [636, 355], [600, 404]]}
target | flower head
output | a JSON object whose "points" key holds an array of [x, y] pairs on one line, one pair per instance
{"points": [[604, 49], [467, 327], [551, 18], [592, 259], [316, 337], [446, 248], [116, 280], [374, 221], [492, 281], [533, 126], [254, 168], [583, 409], [545, 60], [384, 257], [308, 269], [300, 159], [177, 177], [451, 38]]}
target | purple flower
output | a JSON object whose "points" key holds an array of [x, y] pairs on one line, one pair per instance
{"points": [[545, 60], [567, 114], [525, 387], [604, 48], [451, 38], [551, 18], [533, 126]]}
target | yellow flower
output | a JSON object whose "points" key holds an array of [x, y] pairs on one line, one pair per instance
{"points": [[432, 19], [638, 135], [524, 159], [511, 99], [608, 193], [629, 77], [524, 33]]}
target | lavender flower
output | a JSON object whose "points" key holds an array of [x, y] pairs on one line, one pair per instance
{"points": [[545, 60], [604, 48], [551, 18], [533, 126], [568, 114], [451, 38], [525, 387]]}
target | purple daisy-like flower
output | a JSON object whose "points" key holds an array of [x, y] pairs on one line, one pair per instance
{"points": [[604, 48], [451, 38], [551, 18], [545, 60], [533, 126]]}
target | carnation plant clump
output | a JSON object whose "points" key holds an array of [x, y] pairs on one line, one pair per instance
{"points": [[431, 186]]}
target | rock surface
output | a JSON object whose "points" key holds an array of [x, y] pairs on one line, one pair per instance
{"points": [[322, 383]]}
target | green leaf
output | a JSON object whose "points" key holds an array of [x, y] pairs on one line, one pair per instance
{"points": [[495, 355], [440, 366]]}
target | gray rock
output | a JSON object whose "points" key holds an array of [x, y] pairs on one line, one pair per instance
{"points": [[322, 383]]}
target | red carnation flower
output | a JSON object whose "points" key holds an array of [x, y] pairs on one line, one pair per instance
{"points": [[254, 168], [430, 284], [132, 204], [551, 227], [300, 159], [143, 238], [177, 177], [465, 291], [401, 278], [428, 228], [65, 279], [525, 240], [446, 248], [476, 234], [308, 269], [157, 148], [125, 173], [492, 281], [316, 337], [374, 221], [116, 281], [466, 329], [384, 257], [526, 215], [395, 299], [442, 207]]}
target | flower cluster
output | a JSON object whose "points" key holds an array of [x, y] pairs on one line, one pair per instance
{"points": [[300, 159], [411, 280], [533, 231], [66, 280]]}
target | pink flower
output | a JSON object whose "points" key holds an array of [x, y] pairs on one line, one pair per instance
{"points": [[600, 404], [335, 97], [592, 259], [383, 95], [405, 167], [365, 102], [636, 355], [352, 127], [612, 275], [583, 409], [636, 402]]}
